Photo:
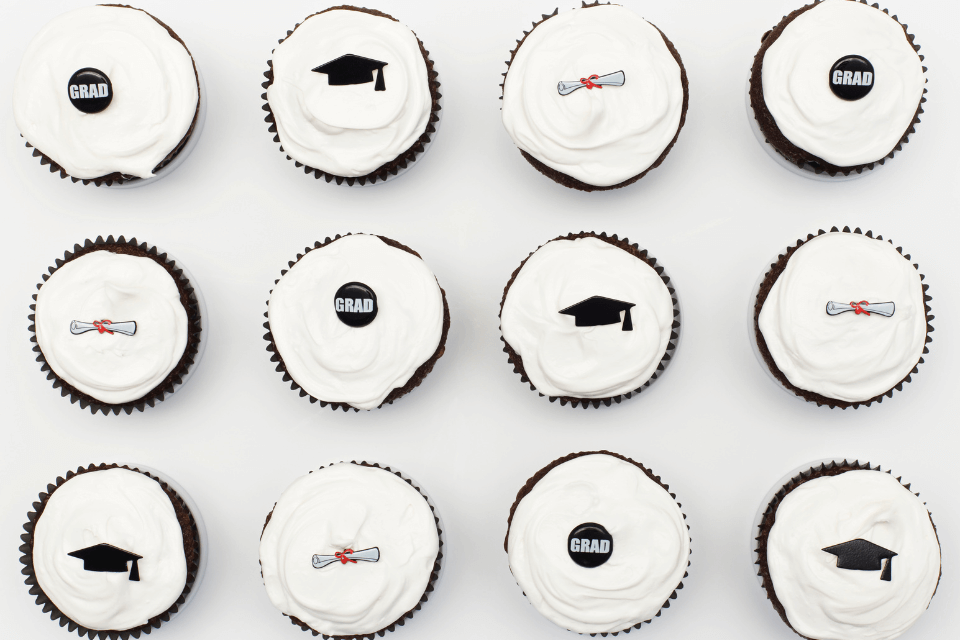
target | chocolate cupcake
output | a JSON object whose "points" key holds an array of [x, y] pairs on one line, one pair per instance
{"points": [[589, 319], [113, 352], [352, 96], [838, 86], [351, 551], [110, 551], [597, 543], [846, 551], [594, 98], [842, 319], [356, 322], [107, 94]]}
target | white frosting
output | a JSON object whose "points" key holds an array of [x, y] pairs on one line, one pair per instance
{"points": [[122, 508], [849, 357], [347, 506], [651, 546], [155, 92], [120, 288], [796, 83], [828, 603], [349, 130], [562, 359], [598, 136], [359, 366]]}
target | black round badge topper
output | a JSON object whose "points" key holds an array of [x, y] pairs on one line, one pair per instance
{"points": [[852, 78], [590, 545], [90, 90], [355, 304]]}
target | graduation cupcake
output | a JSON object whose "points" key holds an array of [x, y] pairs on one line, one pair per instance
{"points": [[597, 543], [589, 319], [106, 94], [110, 551], [842, 319], [352, 95], [116, 325], [594, 98], [838, 86]]}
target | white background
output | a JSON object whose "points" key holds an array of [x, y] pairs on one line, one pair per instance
{"points": [[715, 427]]}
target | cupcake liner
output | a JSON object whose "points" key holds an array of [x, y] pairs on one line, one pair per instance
{"points": [[188, 297], [389, 169], [569, 181], [530, 483], [514, 358], [411, 384], [116, 178], [759, 296], [775, 138], [766, 517], [434, 574], [191, 547]]}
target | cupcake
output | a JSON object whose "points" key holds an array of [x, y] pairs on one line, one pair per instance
{"points": [[597, 543], [838, 86], [116, 325], [356, 322], [842, 319], [589, 319], [351, 551], [352, 95], [847, 552], [107, 94], [110, 551], [595, 97]]}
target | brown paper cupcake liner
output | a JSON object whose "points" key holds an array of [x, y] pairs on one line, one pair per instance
{"points": [[538, 476], [514, 358], [116, 177], [832, 468], [434, 574], [187, 297], [411, 384], [768, 126], [569, 181], [388, 169], [191, 550], [771, 277]]}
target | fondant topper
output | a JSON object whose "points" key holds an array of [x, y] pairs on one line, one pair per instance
{"points": [[862, 555], [356, 304], [353, 69], [109, 559], [885, 309], [347, 555], [852, 78], [597, 311], [103, 326], [590, 545], [617, 79], [90, 90]]}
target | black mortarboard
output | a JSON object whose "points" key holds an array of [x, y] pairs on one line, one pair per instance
{"points": [[352, 69], [597, 311], [861, 555], [108, 558]]}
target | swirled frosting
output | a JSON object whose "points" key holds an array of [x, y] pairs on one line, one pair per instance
{"points": [[562, 359], [156, 92], [651, 546], [349, 130], [124, 509], [825, 602], [102, 285], [360, 366], [348, 506], [598, 136], [851, 356], [796, 83]]}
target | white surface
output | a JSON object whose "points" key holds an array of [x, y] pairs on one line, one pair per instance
{"points": [[717, 431]]}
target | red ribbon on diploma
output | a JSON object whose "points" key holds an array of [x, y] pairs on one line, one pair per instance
{"points": [[100, 325], [858, 307], [588, 82], [343, 556]]}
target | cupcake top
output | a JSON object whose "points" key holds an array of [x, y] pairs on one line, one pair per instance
{"points": [[846, 318], [588, 319], [349, 550], [108, 550], [853, 557], [104, 90], [350, 91], [597, 544], [594, 93]]}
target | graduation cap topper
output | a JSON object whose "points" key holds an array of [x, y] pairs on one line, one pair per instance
{"points": [[863, 555], [353, 69], [107, 558], [597, 311]]}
